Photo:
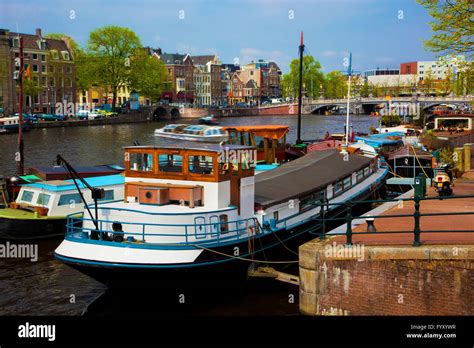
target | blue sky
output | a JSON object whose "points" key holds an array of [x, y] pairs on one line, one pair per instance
{"points": [[375, 31]]}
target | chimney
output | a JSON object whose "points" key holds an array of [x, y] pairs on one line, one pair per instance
{"points": [[38, 32]]}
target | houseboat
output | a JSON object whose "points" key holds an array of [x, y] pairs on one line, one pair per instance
{"points": [[41, 208], [199, 209], [202, 133]]}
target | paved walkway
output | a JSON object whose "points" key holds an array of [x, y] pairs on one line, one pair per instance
{"points": [[463, 186]]}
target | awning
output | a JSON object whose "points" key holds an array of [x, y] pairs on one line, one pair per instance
{"points": [[265, 131]]}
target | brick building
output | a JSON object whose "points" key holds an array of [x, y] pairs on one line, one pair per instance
{"points": [[52, 72], [180, 69]]}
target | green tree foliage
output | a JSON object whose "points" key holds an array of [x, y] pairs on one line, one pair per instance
{"points": [[147, 74], [313, 78], [335, 86], [110, 49], [365, 90], [453, 26]]}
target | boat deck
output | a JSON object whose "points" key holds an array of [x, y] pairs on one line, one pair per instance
{"points": [[20, 214]]}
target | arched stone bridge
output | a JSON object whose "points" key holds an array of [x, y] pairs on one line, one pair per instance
{"points": [[367, 105]]}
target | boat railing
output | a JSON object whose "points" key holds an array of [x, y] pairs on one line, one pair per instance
{"points": [[219, 232]]}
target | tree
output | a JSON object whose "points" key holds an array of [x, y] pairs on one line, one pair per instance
{"points": [[447, 83], [365, 90], [313, 77], [148, 75], [110, 49], [428, 80], [335, 85], [452, 24]]}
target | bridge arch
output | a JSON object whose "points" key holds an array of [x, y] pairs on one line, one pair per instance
{"points": [[321, 109], [174, 113], [159, 113]]}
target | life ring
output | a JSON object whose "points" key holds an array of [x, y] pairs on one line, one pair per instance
{"points": [[225, 167]]}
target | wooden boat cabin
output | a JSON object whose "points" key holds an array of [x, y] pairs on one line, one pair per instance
{"points": [[270, 140], [195, 175]]}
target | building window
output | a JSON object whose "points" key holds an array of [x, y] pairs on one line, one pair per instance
{"points": [[44, 69], [43, 57], [35, 56], [52, 82], [69, 70], [55, 54], [35, 68], [37, 99], [51, 68], [16, 42], [65, 55], [44, 81]]}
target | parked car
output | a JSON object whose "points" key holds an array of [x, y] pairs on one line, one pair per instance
{"points": [[83, 114], [240, 105], [51, 117], [95, 115], [106, 113]]}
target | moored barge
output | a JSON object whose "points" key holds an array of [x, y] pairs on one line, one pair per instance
{"points": [[200, 209]]}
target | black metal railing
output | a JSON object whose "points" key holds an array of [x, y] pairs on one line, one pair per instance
{"points": [[346, 215]]}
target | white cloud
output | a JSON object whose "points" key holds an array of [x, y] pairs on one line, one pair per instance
{"points": [[329, 53], [248, 54]]}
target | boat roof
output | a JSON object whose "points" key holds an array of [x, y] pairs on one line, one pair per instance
{"points": [[272, 131], [59, 172], [191, 145], [388, 134], [68, 185], [305, 175], [378, 141]]}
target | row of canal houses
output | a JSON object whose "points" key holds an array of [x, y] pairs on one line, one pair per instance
{"points": [[204, 80]]}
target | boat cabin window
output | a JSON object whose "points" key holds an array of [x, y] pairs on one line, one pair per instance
{"points": [[310, 201], [108, 195], [366, 171], [360, 175], [170, 163], [43, 199], [201, 164], [142, 162], [347, 183], [223, 223], [259, 141], [338, 188], [27, 196], [70, 199]]}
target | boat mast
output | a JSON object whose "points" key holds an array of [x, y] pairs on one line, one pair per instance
{"points": [[349, 72], [19, 154], [300, 89]]}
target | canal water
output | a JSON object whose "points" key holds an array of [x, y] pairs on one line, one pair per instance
{"points": [[47, 287]]}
